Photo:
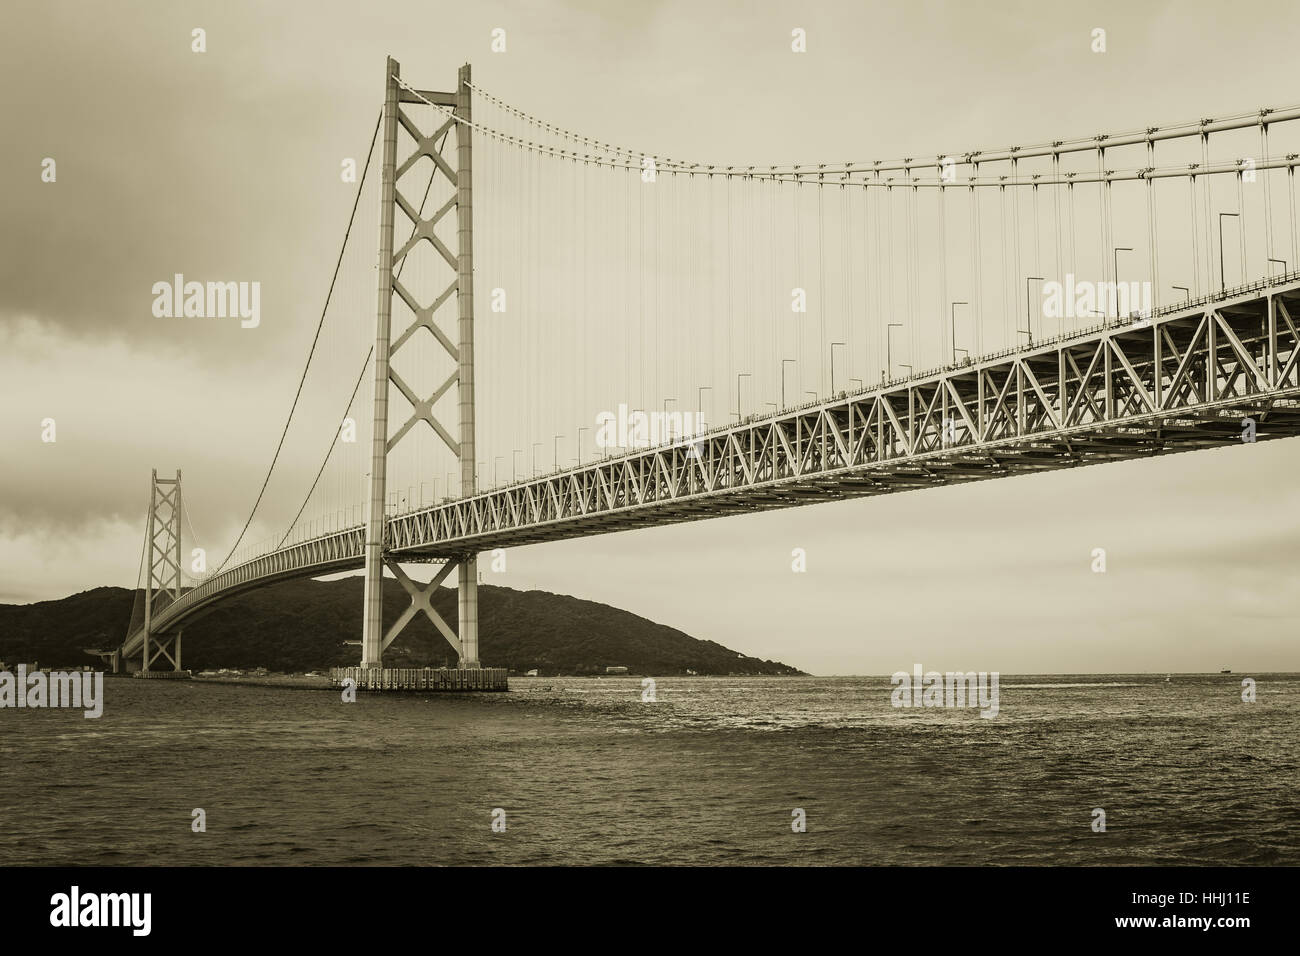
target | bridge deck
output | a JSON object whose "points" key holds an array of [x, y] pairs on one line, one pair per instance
{"points": [[1181, 380]]}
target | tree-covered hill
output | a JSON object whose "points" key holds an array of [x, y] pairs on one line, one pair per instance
{"points": [[302, 625]]}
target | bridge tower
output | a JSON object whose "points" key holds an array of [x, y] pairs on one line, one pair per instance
{"points": [[455, 108], [163, 585]]}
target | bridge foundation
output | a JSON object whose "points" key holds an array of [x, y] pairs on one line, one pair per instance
{"points": [[164, 675], [422, 678]]}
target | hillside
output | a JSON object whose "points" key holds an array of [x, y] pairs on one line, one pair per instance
{"points": [[302, 625]]}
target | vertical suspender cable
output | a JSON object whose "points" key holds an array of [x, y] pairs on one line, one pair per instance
{"points": [[913, 267], [977, 303], [1056, 202], [943, 267], [889, 268], [775, 290], [913, 354], [1196, 256], [822, 339], [1101, 212], [1074, 232], [1015, 242], [1007, 310], [731, 352], [1268, 200], [1152, 238], [1241, 222], [798, 277], [848, 277], [1038, 262], [1208, 205], [1295, 247]]}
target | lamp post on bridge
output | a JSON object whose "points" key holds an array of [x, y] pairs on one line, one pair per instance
{"points": [[555, 454], [584, 428], [739, 376], [536, 445], [514, 469], [699, 401], [1186, 291], [1283, 261], [889, 362], [952, 313], [1028, 330]]}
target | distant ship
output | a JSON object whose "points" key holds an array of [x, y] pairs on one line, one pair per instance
{"points": [[1225, 671]]}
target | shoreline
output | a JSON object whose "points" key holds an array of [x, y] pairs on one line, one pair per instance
{"points": [[293, 681], [520, 684]]}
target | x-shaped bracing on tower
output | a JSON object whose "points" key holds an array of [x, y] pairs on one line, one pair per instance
{"points": [[424, 230], [422, 600]]}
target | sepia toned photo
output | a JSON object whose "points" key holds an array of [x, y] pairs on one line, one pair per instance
{"points": [[848, 437]]}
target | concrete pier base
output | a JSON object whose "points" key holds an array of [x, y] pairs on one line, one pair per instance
{"points": [[422, 678]]}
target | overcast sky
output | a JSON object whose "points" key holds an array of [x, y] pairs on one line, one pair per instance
{"points": [[229, 162]]}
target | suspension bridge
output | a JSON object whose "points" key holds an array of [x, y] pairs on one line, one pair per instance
{"points": [[782, 336]]}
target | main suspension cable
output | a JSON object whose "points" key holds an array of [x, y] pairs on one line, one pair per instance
{"points": [[315, 338]]}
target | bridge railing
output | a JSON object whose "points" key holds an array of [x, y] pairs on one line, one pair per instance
{"points": [[1081, 334]]}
